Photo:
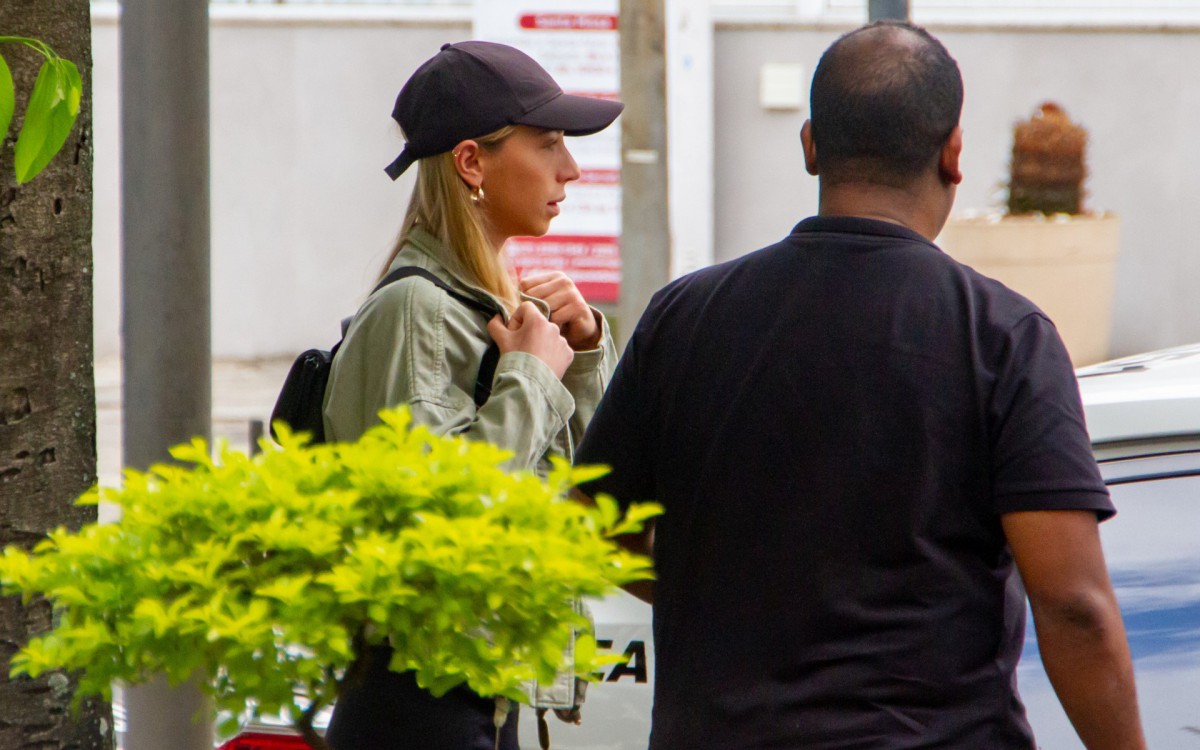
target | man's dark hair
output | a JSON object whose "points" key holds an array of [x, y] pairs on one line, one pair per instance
{"points": [[884, 99]]}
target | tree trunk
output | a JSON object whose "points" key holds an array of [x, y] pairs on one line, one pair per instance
{"points": [[47, 391]]}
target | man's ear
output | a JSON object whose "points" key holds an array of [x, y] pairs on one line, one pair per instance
{"points": [[948, 166], [810, 149], [466, 161]]}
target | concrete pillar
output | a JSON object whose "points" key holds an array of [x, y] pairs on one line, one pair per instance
{"points": [[167, 388], [689, 33], [881, 10], [645, 230]]}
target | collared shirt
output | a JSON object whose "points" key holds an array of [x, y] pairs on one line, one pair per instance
{"points": [[835, 425]]}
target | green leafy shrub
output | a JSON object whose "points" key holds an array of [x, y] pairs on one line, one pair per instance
{"points": [[269, 574]]}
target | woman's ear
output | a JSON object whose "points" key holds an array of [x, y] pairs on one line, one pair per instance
{"points": [[466, 161]]}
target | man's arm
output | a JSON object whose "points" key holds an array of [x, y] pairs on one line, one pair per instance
{"points": [[640, 544], [1080, 633]]}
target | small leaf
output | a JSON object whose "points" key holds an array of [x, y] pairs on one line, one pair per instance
{"points": [[53, 107], [635, 518], [585, 648], [285, 589], [7, 102], [609, 510], [583, 474], [230, 726]]}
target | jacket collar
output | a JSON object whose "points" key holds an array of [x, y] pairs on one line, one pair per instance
{"points": [[431, 250]]}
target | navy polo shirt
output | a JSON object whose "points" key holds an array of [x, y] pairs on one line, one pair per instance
{"points": [[835, 425]]}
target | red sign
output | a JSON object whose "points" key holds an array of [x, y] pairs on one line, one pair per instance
{"points": [[588, 176], [265, 741], [569, 21], [593, 263]]}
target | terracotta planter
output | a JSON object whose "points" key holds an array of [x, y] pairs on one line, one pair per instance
{"points": [[1065, 264]]}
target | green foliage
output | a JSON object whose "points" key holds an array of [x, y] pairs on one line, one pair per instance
{"points": [[7, 98], [268, 574], [51, 112]]}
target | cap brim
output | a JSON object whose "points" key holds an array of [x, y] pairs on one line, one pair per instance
{"points": [[574, 115], [399, 164]]}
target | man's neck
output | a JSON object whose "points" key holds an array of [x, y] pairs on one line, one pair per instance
{"points": [[913, 207]]}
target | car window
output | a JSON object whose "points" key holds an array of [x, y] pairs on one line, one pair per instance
{"points": [[1153, 550]]}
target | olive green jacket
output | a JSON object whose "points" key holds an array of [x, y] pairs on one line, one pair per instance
{"points": [[411, 343]]}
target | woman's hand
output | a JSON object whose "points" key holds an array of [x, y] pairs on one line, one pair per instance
{"points": [[528, 331], [568, 309]]}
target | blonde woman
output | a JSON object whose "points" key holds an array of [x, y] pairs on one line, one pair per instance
{"points": [[467, 348]]}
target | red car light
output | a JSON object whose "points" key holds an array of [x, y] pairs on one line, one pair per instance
{"points": [[264, 741]]}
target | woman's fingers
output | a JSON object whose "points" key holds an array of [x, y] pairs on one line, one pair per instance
{"points": [[555, 288], [528, 331], [521, 314], [531, 282], [500, 332], [568, 309]]}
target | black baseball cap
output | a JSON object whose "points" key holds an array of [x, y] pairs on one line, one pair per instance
{"points": [[470, 89]]}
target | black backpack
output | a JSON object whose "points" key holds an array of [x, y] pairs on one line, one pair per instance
{"points": [[301, 400]]}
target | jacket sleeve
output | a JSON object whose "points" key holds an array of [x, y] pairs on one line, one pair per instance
{"points": [[412, 344], [528, 408], [587, 377]]}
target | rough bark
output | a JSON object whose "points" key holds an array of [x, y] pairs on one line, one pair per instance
{"points": [[47, 391]]}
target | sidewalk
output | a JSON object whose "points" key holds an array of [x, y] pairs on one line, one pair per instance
{"points": [[242, 390]]}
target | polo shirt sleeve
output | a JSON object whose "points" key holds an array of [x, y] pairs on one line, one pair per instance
{"points": [[619, 434], [1041, 454]]}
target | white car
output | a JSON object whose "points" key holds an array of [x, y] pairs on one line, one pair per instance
{"points": [[1144, 418]]}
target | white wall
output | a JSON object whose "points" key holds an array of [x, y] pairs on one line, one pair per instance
{"points": [[1134, 89], [303, 214]]}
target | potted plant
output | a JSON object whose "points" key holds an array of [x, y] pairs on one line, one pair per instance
{"points": [[1048, 246], [268, 575]]}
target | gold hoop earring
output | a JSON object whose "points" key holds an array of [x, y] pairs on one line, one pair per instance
{"points": [[476, 195]]}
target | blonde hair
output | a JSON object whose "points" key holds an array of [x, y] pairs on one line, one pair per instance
{"points": [[441, 205]]}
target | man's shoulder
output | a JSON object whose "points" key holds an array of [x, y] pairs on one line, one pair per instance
{"points": [[1002, 305], [703, 281]]}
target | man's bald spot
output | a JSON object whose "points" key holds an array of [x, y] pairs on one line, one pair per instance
{"points": [[875, 57]]}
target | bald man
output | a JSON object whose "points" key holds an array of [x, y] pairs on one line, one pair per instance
{"points": [[860, 443]]}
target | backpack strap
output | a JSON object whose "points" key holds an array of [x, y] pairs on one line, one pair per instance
{"points": [[487, 366]]}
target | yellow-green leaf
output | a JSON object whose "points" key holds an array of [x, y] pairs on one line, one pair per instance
{"points": [[285, 589], [609, 511], [53, 107], [587, 473], [7, 99]]}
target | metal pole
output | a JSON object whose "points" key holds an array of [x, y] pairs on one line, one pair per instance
{"points": [[257, 429], [167, 353], [890, 10], [645, 232]]}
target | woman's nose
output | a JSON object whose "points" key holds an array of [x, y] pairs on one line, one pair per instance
{"points": [[571, 169]]}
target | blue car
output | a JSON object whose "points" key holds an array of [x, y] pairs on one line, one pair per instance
{"points": [[1143, 415]]}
